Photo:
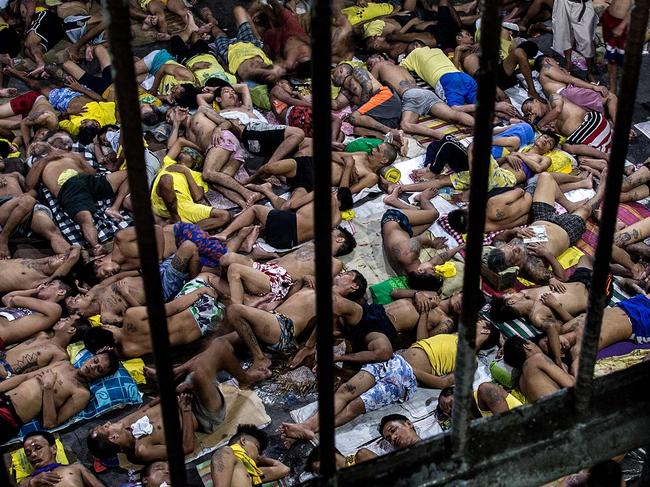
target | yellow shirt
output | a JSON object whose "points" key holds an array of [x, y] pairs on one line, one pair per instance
{"points": [[243, 51], [441, 351], [213, 71], [102, 111], [511, 401], [374, 28], [188, 209], [356, 15], [497, 178], [429, 64], [168, 82]]}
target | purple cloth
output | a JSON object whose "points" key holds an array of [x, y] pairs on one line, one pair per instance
{"points": [[621, 348]]}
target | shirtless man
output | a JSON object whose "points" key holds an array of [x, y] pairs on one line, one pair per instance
{"points": [[80, 26], [353, 170], [281, 328], [20, 213], [488, 399], [114, 295], [628, 320], [424, 311], [557, 80], [78, 187], [18, 274], [241, 463], [201, 408], [343, 45], [540, 376], [398, 430], [223, 153], [562, 232], [194, 313], [274, 279], [44, 349], [548, 310], [155, 473], [285, 229], [588, 133], [504, 211], [636, 186], [615, 20], [54, 393], [416, 102], [403, 236], [632, 237], [42, 315], [35, 110], [40, 450]]}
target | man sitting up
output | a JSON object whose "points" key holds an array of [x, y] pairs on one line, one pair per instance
{"points": [[539, 375], [40, 450], [241, 462], [55, 393]]}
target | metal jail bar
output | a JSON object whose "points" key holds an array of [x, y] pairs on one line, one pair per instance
{"points": [[625, 111], [119, 29], [466, 355], [322, 151]]}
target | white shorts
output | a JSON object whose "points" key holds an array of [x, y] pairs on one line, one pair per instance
{"points": [[569, 30]]}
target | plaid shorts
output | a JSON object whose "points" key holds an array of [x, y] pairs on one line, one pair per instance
{"points": [[244, 34], [572, 224]]}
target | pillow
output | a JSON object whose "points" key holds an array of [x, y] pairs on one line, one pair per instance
{"points": [[20, 467], [380, 292], [504, 374], [107, 394]]}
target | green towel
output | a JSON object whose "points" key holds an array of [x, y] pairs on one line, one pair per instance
{"points": [[381, 292]]}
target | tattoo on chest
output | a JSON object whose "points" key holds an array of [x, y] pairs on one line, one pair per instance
{"points": [[26, 362], [500, 214]]}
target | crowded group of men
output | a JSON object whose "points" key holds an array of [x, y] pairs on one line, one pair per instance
{"points": [[238, 279]]}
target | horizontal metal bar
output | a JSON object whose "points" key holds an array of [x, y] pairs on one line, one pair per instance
{"points": [[529, 445]]}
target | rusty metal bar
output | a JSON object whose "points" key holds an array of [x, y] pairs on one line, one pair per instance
{"points": [[321, 15], [528, 446], [625, 111], [466, 357], [119, 28]]}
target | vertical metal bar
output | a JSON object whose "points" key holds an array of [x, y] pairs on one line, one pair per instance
{"points": [[119, 28], [466, 357], [321, 15], [625, 111]]}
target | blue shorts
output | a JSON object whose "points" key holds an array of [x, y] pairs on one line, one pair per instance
{"points": [[161, 57], [398, 217], [394, 382], [523, 131], [244, 34], [172, 279], [60, 98], [459, 88], [638, 309]]}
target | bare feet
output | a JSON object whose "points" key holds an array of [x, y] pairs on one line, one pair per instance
{"points": [[588, 182], [427, 194], [4, 249], [191, 23], [259, 254], [249, 241], [253, 198], [38, 72], [260, 188], [253, 376], [572, 206], [291, 432], [393, 198], [114, 214], [422, 174], [261, 364], [162, 36], [8, 92]]}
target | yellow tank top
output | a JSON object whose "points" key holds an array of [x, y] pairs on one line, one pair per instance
{"points": [[243, 51], [441, 351], [213, 71]]}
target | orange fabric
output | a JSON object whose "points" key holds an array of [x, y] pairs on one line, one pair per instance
{"points": [[381, 97]]}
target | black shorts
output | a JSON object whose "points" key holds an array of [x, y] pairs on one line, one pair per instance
{"points": [[505, 80], [304, 177], [263, 139], [82, 192], [398, 217], [98, 83], [48, 27], [281, 229], [10, 42], [572, 224], [584, 275]]}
